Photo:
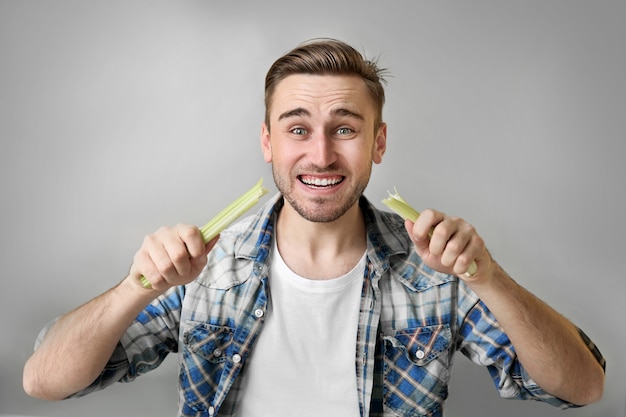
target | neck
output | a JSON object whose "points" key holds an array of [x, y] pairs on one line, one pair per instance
{"points": [[321, 250]]}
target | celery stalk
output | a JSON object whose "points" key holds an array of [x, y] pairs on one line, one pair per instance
{"points": [[225, 217], [396, 203], [233, 211]]}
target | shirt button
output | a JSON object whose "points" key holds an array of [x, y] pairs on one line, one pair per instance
{"points": [[258, 313], [236, 358], [211, 411], [420, 354], [217, 353]]}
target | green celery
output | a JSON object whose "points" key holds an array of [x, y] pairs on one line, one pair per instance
{"points": [[225, 217], [396, 203]]}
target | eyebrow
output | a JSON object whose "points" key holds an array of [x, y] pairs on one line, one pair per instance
{"points": [[293, 113], [303, 112]]}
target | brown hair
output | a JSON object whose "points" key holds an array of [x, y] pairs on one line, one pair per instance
{"points": [[327, 57]]}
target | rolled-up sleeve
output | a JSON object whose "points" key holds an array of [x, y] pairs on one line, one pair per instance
{"points": [[144, 346], [484, 342]]}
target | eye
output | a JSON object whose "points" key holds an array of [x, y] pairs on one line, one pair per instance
{"points": [[343, 131], [298, 131]]}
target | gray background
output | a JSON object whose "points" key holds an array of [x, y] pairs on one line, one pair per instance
{"points": [[118, 117]]}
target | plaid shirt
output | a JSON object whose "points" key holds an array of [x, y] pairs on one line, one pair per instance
{"points": [[412, 319]]}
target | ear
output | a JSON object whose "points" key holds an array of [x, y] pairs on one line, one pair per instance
{"points": [[380, 144], [266, 145]]}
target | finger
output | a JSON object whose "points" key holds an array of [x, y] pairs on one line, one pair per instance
{"points": [[152, 256], [166, 252], [453, 248], [470, 254], [192, 238], [183, 246], [187, 250], [178, 261], [445, 232], [144, 268], [200, 261], [421, 244], [171, 256], [462, 245], [462, 265], [158, 248], [425, 223]]}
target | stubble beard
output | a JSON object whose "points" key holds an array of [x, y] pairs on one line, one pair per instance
{"points": [[314, 210]]}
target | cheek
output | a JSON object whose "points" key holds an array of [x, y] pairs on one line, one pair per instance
{"points": [[367, 156], [284, 153]]}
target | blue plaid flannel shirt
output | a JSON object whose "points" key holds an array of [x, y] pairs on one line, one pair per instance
{"points": [[412, 320]]}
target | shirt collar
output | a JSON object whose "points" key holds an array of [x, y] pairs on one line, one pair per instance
{"points": [[386, 235]]}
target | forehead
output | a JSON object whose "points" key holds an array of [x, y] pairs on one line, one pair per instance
{"points": [[321, 93]]}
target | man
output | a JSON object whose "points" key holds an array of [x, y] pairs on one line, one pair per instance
{"points": [[319, 304]]}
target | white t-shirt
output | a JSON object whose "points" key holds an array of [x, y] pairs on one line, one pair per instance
{"points": [[303, 363]]}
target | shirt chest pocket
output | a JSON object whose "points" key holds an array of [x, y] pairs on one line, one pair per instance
{"points": [[416, 369], [204, 355]]}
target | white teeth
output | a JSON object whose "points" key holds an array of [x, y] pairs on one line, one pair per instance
{"points": [[320, 182]]}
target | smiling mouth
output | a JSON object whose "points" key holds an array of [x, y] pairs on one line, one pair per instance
{"points": [[317, 182]]}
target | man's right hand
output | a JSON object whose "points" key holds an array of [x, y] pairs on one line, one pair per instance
{"points": [[171, 256]]}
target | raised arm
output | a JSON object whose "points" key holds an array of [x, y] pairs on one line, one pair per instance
{"points": [[548, 345], [76, 349]]}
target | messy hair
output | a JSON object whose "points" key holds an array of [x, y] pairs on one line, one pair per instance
{"points": [[327, 57]]}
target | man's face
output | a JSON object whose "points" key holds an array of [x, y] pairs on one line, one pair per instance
{"points": [[322, 143]]}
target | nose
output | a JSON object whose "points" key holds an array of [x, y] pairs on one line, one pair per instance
{"points": [[322, 151]]}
